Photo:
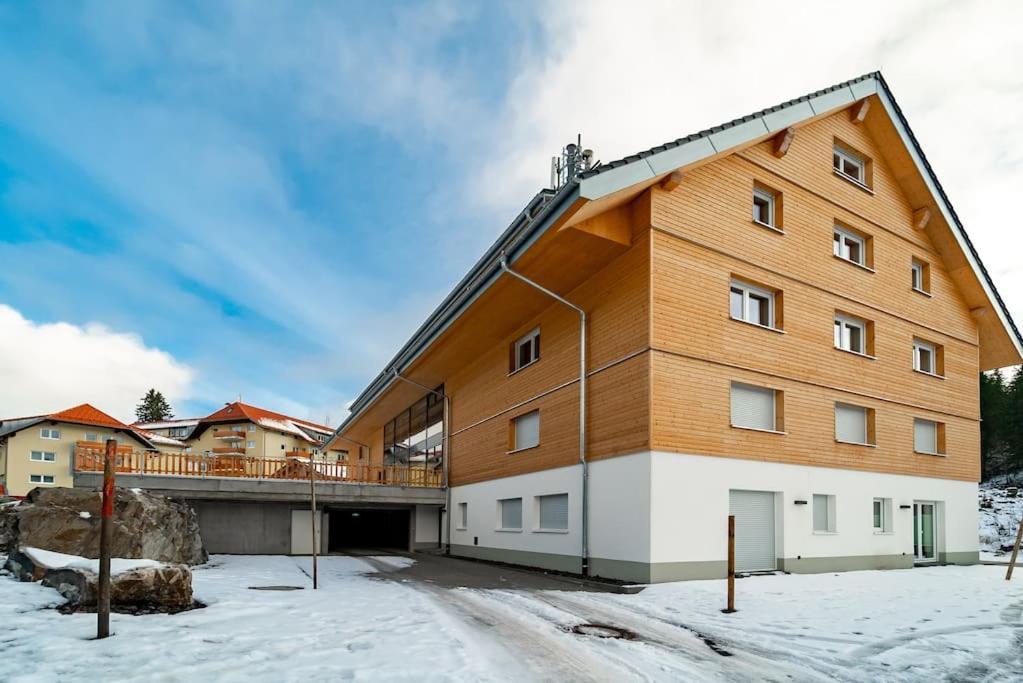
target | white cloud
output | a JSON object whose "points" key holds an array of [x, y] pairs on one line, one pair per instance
{"points": [[53, 366]]}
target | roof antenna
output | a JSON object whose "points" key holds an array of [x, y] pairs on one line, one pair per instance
{"points": [[573, 161]]}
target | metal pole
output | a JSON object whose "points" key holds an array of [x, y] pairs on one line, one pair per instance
{"points": [[584, 525], [1015, 550], [731, 565], [312, 514], [105, 527]]}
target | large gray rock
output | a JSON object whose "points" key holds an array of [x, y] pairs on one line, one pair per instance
{"points": [[67, 520], [165, 588], [8, 519], [24, 567]]}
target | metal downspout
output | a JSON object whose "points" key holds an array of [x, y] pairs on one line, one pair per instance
{"points": [[585, 553], [446, 450]]}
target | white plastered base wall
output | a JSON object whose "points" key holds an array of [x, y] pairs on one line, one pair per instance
{"points": [[660, 516]]}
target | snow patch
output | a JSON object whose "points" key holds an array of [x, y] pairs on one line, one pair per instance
{"points": [[55, 560], [1000, 516], [85, 515]]}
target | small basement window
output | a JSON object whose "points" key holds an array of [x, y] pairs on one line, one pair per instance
{"points": [[882, 515], [525, 351], [510, 514], [553, 512], [824, 513]]}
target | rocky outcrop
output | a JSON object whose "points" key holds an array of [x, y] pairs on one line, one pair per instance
{"points": [[165, 588], [24, 567], [8, 518], [67, 520]]}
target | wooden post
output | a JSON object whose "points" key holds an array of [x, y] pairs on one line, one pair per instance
{"points": [[105, 527], [312, 514], [731, 565], [1015, 550]]}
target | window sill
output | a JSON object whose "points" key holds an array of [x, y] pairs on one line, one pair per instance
{"points": [[757, 325], [520, 450], [768, 226], [933, 455], [929, 374], [883, 533], [508, 531], [924, 292], [550, 531], [521, 368], [461, 528], [853, 263], [853, 181], [825, 533], [856, 443], [758, 429], [856, 353]]}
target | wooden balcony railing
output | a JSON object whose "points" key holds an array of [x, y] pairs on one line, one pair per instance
{"points": [[89, 458], [229, 450], [229, 434]]}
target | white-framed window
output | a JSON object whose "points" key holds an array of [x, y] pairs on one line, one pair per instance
{"points": [[925, 436], [510, 514], [251, 427], [925, 357], [43, 456], [525, 431], [49, 433], [250, 444], [188, 449], [764, 207], [751, 304], [177, 431], [850, 165], [881, 509], [919, 276], [850, 246], [824, 513], [754, 407], [463, 515], [92, 436], [40, 478], [552, 512], [851, 424], [525, 350], [850, 334]]}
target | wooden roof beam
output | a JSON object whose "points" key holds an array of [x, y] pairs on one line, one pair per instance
{"points": [[672, 181], [782, 142], [921, 217], [859, 111]]}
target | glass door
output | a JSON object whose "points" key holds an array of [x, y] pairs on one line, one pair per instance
{"points": [[923, 532]]}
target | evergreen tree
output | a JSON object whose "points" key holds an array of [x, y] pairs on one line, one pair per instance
{"points": [[993, 428], [153, 408], [1013, 419]]}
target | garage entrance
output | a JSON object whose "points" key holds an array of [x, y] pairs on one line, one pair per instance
{"points": [[369, 528]]}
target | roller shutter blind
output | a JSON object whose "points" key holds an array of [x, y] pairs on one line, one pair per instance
{"points": [[754, 529], [554, 511], [527, 430], [511, 513], [925, 436], [850, 423], [752, 406]]}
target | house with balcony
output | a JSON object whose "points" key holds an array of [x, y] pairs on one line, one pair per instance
{"points": [[780, 319]]}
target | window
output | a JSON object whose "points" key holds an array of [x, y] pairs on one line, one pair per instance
{"points": [[463, 515], [40, 478], [882, 515], [553, 512], [850, 246], [850, 165], [854, 424], [756, 407], [182, 431], [525, 431], [415, 435], [252, 427], [250, 444], [525, 351], [49, 433], [752, 304], [928, 437], [928, 358], [510, 510], [853, 334], [43, 456], [92, 436], [921, 276], [823, 513], [767, 206]]}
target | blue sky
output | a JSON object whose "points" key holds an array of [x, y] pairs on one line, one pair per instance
{"points": [[266, 198]]}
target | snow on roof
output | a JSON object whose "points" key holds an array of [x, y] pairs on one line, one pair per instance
{"points": [[160, 439], [167, 424]]}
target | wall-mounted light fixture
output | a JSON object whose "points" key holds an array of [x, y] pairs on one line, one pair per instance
{"points": [[799, 502], [905, 507]]}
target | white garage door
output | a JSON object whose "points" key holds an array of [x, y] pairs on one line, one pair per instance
{"points": [[754, 529], [302, 532]]}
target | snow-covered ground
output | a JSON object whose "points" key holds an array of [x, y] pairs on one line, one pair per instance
{"points": [[999, 521], [958, 623]]}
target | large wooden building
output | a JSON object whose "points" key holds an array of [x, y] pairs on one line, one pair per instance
{"points": [[783, 320]]}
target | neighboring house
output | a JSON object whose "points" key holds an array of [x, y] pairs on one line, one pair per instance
{"points": [[38, 451], [238, 429], [785, 321]]}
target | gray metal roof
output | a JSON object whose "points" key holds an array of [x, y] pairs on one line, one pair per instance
{"points": [[643, 166]]}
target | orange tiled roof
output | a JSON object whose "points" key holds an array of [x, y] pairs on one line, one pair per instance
{"points": [[87, 414], [237, 409]]}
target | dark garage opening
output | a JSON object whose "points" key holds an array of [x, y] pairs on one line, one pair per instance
{"points": [[369, 528]]}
